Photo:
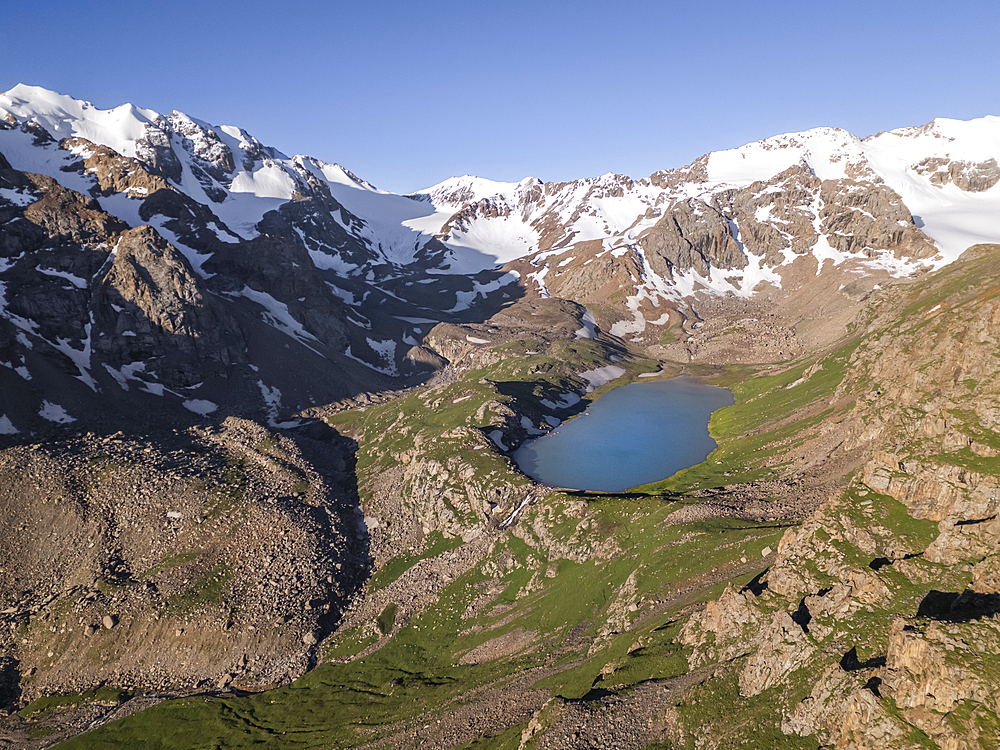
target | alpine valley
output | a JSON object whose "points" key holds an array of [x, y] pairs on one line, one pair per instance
{"points": [[256, 419]]}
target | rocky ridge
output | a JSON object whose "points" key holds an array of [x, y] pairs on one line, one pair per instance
{"points": [[348, 263], [884, 604]]}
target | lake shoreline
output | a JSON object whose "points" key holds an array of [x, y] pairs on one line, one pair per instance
{"points": [[631, 435]]}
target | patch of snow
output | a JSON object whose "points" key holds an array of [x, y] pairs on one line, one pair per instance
{"points": [[330, 262], [55, 413], [589, 330], [276, 314], [272, 402], [510, 519], [529, 427], [343, 294], [386, 350], [200, 406], [74, 280], [223, 235], [126, 373], [497, 437], [539, 278], [601, 375], [6, 426], [475, 340], [17, 197], [463, 301], [624, 327], [80, 357], [568, 400]]}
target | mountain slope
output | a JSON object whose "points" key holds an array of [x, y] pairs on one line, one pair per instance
{"points": [[168, 287], [697, 612], [751, 222]]}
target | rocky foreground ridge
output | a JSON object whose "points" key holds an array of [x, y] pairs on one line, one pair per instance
{"points": [[883, 607]]}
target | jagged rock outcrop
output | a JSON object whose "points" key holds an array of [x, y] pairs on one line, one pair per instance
{"points": [[696, 171], [973, 177], [777, 218], [115, 173], [68, 217], [691, 235], [150, 305], [869, 218]]}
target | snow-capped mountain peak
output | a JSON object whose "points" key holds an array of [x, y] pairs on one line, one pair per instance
{"points": [[740, 222]]}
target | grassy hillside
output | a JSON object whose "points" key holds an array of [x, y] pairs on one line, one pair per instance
{"points": [[699, 611]]}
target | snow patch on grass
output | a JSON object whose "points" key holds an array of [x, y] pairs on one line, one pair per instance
{"points": [[589, 330], [601, 375], [497, 437]]}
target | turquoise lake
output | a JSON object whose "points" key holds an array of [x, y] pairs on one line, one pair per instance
{"points": [[632, 435]]}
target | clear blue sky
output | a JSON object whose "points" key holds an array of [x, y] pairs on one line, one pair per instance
{"points": [[406, 94]]}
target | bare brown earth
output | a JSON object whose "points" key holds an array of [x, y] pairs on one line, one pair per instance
{"points": [[200, 561]]}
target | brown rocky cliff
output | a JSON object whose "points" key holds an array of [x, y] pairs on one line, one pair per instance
{"points": [[691, 235], [151, 305], [114, 173], [973, 177]]}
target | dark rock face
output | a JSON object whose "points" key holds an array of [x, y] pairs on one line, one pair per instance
{"points": [[85, 297], [320, 233], [155, 151], [186, 218], [54, 246]]}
